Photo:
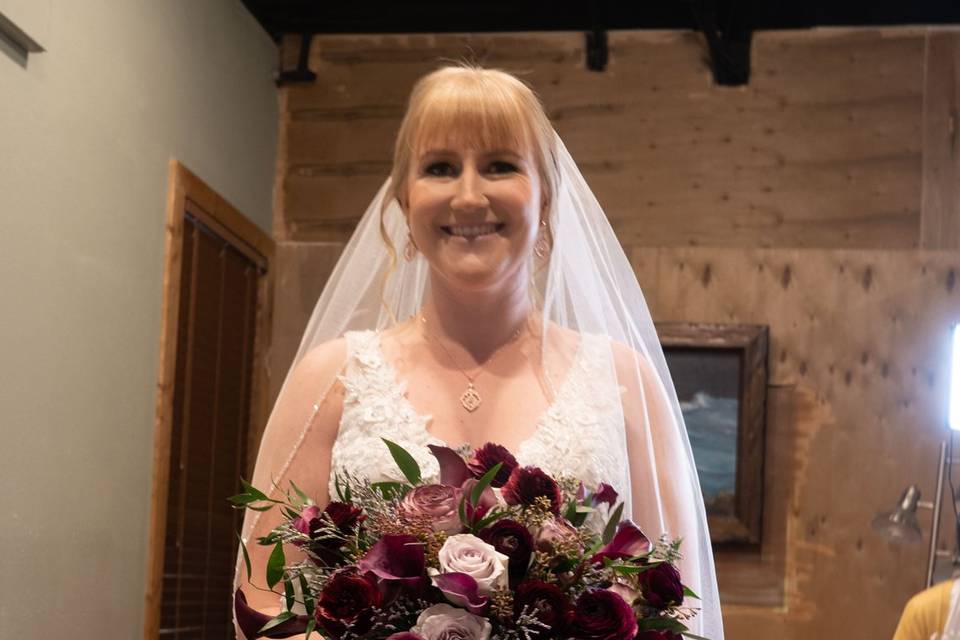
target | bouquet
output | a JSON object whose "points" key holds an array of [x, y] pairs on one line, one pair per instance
{"points": [[493, 551]]}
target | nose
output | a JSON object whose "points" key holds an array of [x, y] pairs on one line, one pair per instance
{"points": [[469, 196]]}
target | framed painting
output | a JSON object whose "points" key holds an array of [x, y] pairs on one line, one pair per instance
{"points": [[720, 374]]}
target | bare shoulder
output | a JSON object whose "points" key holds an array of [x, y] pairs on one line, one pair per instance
{"points": [[325, 358], [629, 363], [314, 379]]}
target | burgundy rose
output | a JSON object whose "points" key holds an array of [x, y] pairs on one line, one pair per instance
{"points": [[347, 600], [513, 540], [343, 516], [603, 615], [438, 503], [660, 586], [658, 634], [546, 602], [526, 484], [405, 635], [487, 457]]}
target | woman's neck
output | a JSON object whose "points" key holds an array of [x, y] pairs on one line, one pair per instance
{"points": [[479, 321]]}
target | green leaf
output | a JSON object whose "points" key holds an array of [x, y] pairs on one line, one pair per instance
{"points": [[687, 591], [307, 598], [289, 595], [277, 620], [246, 556], [242, 499], [338, 488], [303, 496], [408, 466], [611, 529], [311, 625], [483, 483], [275, 565], [249, 488], [266, 508], [660, 624], [495, 515]]}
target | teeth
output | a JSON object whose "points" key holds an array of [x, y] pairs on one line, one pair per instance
{"points": [[473, 230]]}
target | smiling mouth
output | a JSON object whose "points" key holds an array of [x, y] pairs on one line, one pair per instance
{"points": [[473, 230]]}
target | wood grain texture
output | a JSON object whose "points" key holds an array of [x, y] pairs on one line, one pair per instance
{"points": [[940, 208], [858, 403], [822, 149]]}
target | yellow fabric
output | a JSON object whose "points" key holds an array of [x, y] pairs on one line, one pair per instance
{"points": [[925, 613]]}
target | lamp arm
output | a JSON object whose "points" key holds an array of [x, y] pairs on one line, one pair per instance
{"points": [[937, 505]]}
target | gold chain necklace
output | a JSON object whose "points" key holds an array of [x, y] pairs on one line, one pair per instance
{"points": [[470, 399]]}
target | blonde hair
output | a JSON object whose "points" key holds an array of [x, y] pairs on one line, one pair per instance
{"points": [[486, 108]]}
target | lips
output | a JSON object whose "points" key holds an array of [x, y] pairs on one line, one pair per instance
{"points": [[473, 230]]}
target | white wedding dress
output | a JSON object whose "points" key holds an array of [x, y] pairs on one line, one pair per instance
{"points": [[579, 435]]}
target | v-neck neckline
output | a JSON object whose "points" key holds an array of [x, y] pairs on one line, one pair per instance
{"points": [[426, 418]]}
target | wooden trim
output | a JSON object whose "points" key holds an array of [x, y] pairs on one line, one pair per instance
{"points": [[745, 528], [186, 192]]}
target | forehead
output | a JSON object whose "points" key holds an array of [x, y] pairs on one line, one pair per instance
{"points": [[475, 125]]}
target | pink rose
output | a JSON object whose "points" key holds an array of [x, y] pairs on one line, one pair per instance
{"points": [[443, 622], [553, 532], [465, 553], [437, 502]]}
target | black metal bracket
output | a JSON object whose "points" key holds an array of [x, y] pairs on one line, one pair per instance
{"points": [[598, 54], [302, 73], [729, 46]]}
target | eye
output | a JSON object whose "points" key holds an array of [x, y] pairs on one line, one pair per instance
{"points": [[440, 169], [502, 166]]}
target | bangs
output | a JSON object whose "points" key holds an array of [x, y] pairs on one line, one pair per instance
{"points": [[473, 115]]}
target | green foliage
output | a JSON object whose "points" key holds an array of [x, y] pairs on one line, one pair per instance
{"points": [[408, 466], [275, 565], [611, 529]]}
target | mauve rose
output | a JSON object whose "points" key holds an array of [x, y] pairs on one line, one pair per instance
{"points": [[513, 540], [546, 602], [660, 586], [465, 553], [552, 532], [603, 615], [487, 457], [347, 599], [438, 502], [658, 635], [526, 484], [443, 622]]}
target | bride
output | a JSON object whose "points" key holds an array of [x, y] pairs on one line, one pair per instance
{"points": [[485, 298]]}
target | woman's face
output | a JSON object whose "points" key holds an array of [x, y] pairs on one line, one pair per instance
{"points": [[474, 213]]}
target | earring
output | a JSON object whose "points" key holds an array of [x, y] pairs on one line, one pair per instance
{"points": [[542, 247], [410, 250]]}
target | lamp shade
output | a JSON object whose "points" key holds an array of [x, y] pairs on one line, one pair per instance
{"points": [[900, 525]]}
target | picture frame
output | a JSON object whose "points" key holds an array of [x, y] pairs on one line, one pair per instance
{"points": [[720, 374]]}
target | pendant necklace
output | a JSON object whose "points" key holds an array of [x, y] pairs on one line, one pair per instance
{"points": [[470, 399]]}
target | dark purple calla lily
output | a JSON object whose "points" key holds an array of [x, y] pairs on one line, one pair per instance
{"points": [[629, 541], [251, 621], [462, 590], [453, 468], [605, 493], [397, 559]]}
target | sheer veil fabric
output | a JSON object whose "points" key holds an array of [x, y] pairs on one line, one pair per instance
{"points": [[586, 284]]}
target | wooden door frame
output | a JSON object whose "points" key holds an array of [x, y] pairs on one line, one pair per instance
{"points": [[185, 191]]}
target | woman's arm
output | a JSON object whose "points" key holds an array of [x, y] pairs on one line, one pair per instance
{"points": [[296, 446]]}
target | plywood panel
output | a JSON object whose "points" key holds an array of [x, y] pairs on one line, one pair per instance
{"points": [[822, 149], [860, 337]]}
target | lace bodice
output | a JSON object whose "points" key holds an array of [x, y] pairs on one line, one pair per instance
{"points": [[580, 434]]}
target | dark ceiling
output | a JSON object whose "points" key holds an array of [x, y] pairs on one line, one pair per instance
{"points": [[315, 17]]}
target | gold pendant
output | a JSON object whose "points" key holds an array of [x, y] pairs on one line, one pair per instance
{"points": [[470, 399]]}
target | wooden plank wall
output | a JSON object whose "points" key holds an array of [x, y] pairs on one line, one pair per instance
{"points": [[823, 200]]}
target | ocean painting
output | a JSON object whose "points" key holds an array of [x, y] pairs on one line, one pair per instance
{"points": [[708, 387]]}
